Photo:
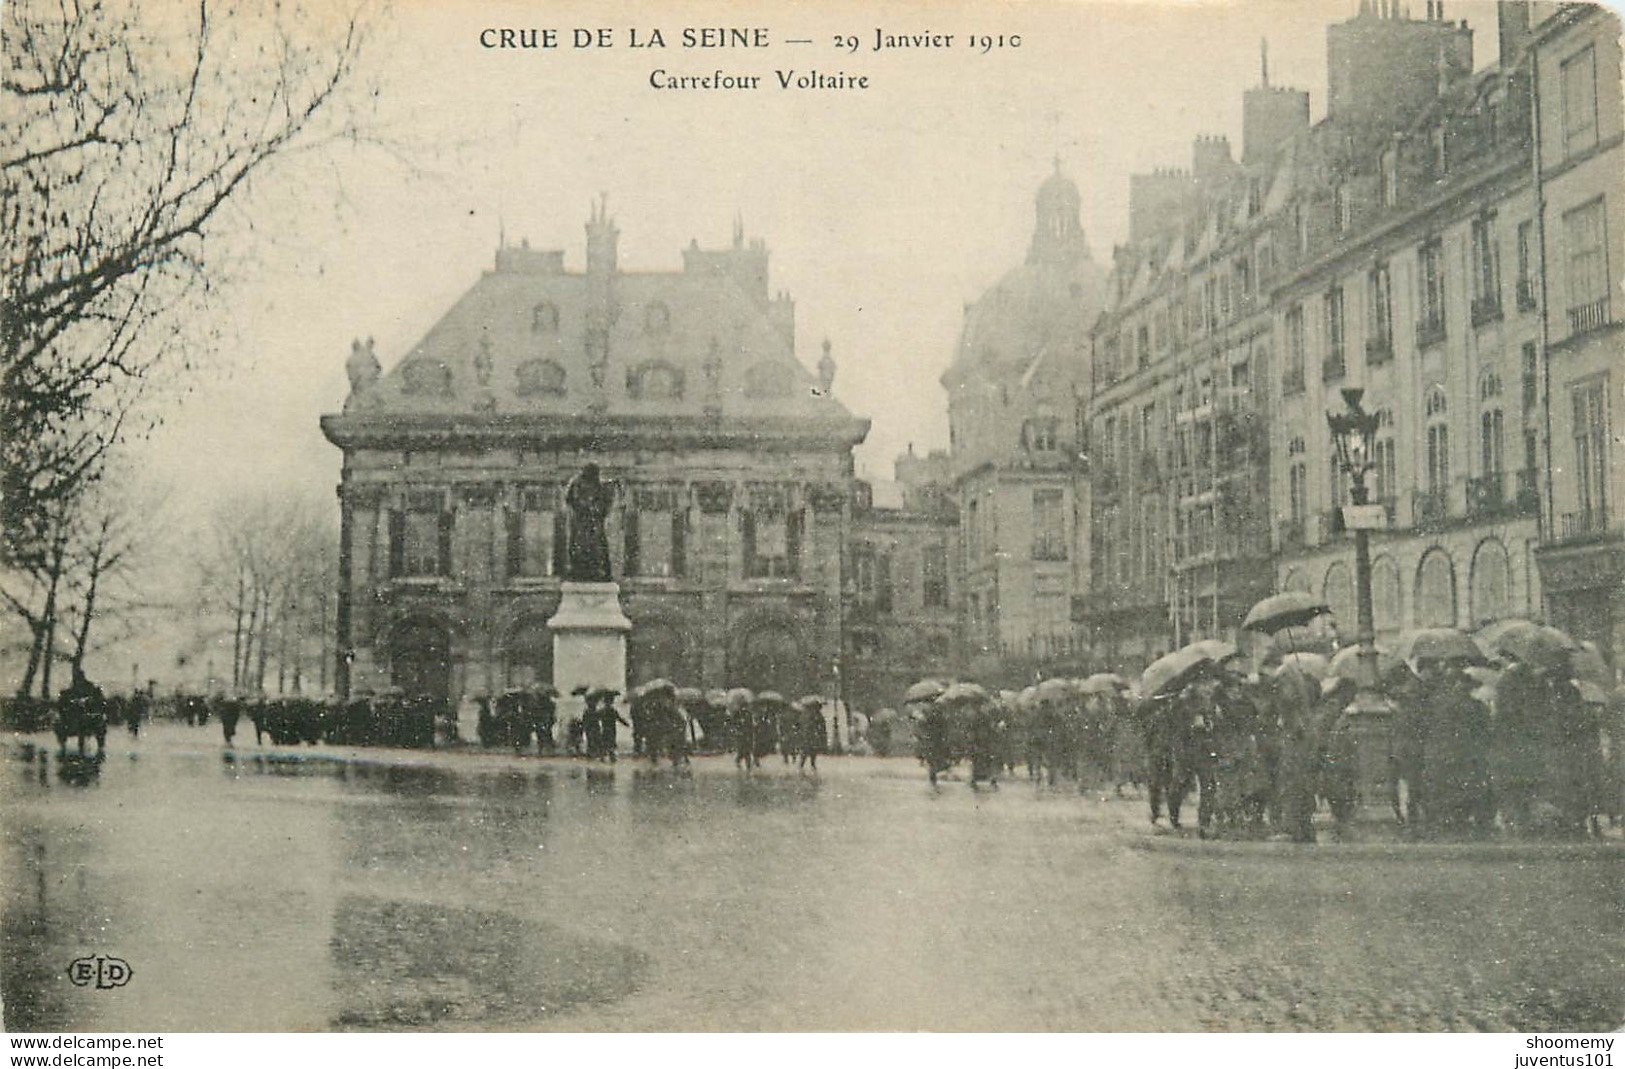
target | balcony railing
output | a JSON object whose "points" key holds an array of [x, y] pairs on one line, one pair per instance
{"points": [[1588, 523], [1526, 295], [1291, 533], [1379, 351], [1588, 317], [1331, 368], [1486, 309], [1429, 332], [1486, 494], [1430, 506]]}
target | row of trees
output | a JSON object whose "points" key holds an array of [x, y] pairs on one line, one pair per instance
{"points": [[130, 142], [267, 579]]}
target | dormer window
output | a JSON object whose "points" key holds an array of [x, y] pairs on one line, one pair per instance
{"points": [[658, 381], [544, 318]]}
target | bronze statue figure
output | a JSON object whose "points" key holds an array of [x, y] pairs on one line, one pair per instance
{"points": [[589, 499]]}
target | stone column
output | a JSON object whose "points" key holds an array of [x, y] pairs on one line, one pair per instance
{"points": [[713, 570], [826, 553]]}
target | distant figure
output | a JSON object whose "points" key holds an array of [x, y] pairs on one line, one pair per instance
{"points": [[589, 499]]}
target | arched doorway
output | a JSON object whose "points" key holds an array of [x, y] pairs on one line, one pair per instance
{"points": [[528, 656], [420, 658], [1490, 595], [1436, 590], [769, 655], [655, 650]]}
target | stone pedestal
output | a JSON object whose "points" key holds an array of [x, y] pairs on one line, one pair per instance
{"points": [[589, 647]]}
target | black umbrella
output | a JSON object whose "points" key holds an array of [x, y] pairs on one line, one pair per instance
{"points": [[1290, 608]]}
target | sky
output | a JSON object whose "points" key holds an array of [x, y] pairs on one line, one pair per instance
{"points": [[885, 210]]}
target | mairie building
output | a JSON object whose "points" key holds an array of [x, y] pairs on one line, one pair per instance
{"points": [[732, 531]]}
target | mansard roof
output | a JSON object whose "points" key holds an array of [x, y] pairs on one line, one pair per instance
{"points": [[532, 349]]}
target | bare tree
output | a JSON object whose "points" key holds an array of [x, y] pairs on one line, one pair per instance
{"points": [[126, 137], [266, 579]]}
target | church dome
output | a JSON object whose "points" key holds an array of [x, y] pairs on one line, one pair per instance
{"points": [[1044, 305]]}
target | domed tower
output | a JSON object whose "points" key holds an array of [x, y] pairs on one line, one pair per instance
{"points": [[1018, 377], [1058, 231]]}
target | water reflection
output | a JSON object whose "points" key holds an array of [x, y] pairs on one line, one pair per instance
{"points": [[407, 964]]}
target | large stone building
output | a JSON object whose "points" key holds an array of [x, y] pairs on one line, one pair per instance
{"points": [[733, 462], [1446, 240], [1015, 390], [1578, 234]]}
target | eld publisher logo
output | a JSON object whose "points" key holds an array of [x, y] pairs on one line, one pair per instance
{"points": [[103, 971]]}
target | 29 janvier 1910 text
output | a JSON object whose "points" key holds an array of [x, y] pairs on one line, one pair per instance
{"points": [[880, 39]]}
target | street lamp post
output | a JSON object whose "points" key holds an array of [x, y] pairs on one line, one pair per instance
{"points": [[1354, 435]]}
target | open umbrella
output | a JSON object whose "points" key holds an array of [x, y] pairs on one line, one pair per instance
{"points": [[1345, 664], [925, 690], [1168, 673], [1536, 645], [1103, 683], [1028, 697], [1310, 664], [689, 695], [662, 683], [771, 697], [810, 701], [718, 698], [1488, 637], [1054, 690], [737, 697], [1437, 644], [1290, 608], [964, 692]]}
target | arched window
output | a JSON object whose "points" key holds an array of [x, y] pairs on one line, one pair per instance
{"points": [[1489, 385], [1490, 582], [1436, 590], [656, 381], [1337, 592], [539, 377], [544, 318], [1385, 607], [1438, 455]]}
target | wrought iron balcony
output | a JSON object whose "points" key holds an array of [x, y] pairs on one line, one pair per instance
{"points": [[1379, 351], [1431, 507], [1583, 525], [1588, 317], [1486, 494]]}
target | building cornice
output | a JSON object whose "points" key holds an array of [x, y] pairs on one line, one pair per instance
{"points": [[394, 431]]}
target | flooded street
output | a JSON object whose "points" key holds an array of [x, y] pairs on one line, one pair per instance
{"points": [[330, 889]]}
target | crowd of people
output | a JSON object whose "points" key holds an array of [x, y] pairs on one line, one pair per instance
{"points": [[1466, 744]]}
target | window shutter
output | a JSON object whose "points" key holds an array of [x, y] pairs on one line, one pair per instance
{"points": [[679, 541], [397, 542], [792, 542], [561, 539], [629, 521], [516, 546], [446, 521]]}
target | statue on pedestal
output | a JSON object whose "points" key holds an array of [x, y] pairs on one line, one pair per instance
{"points": [[589, 499]]}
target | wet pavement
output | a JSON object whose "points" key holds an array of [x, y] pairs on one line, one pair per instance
{"points": [[318, 889]]}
